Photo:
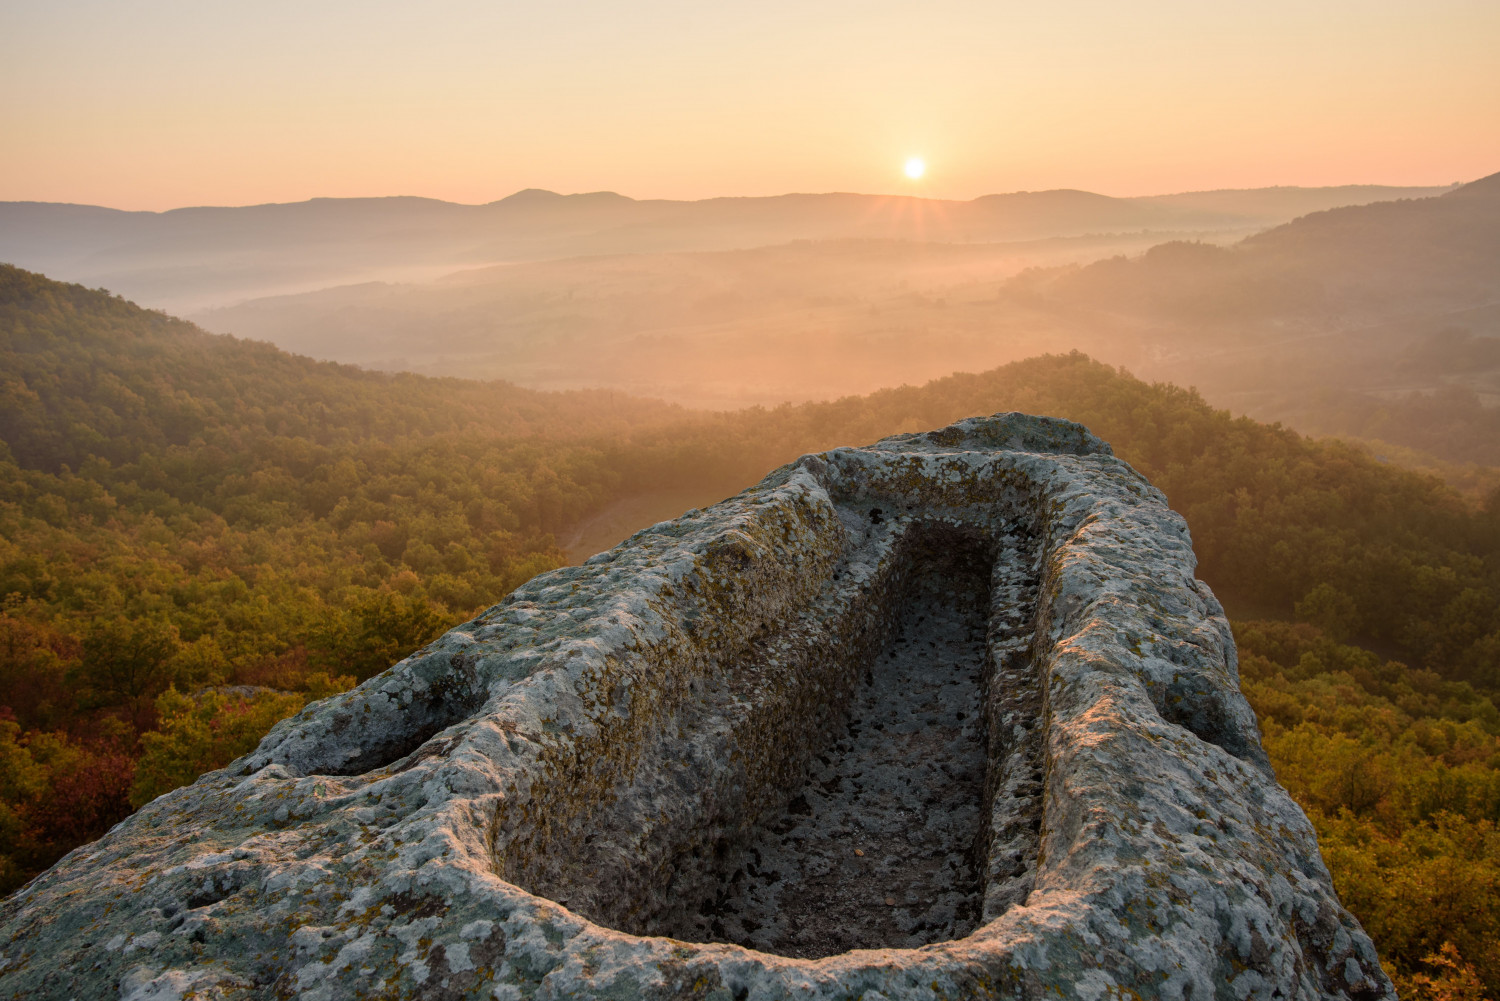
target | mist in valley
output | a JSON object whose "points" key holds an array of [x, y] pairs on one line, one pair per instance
{"points": [[1360, 311], [191, 259], [1375, 321]]}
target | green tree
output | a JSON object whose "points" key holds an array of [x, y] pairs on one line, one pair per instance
{"points": [[201, 733], [127, 660]]}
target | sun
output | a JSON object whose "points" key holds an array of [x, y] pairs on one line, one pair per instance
{"points": [[915, 168]]}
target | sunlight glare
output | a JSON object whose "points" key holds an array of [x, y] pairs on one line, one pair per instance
{"points": [[915, 167]]}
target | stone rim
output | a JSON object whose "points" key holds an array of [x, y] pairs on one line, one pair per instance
{"points": [[1170, 691]]}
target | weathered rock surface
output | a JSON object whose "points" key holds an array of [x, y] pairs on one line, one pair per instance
{"points": [[948, 716]]}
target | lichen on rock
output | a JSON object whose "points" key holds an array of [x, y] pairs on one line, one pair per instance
{"points": [[946, 716]]}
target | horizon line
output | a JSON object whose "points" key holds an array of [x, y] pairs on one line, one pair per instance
{"points": [[904, 196]]}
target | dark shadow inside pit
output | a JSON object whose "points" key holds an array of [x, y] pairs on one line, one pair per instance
{"points": [[877, 849], [862, 773]]}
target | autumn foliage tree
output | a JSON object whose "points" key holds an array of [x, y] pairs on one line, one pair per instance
{"points": [[198, 535]]}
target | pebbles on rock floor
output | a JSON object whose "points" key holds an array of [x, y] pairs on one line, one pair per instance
{"points": [[903, 780]]}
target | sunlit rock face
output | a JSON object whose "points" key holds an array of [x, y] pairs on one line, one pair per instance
{"points": [[943, 717]]}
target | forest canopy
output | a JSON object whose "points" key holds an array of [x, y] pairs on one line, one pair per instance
{"points": [[199, 534]]}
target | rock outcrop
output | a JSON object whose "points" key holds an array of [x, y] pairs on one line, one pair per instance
{"points": [[948, 716]]}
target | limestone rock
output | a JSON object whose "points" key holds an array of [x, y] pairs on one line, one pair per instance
{"points": [[947, 716]]}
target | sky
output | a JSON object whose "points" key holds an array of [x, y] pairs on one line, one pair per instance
{"points": [[150, 104]]}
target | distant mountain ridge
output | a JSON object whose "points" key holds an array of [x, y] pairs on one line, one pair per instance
{"points": [[819, 319], [201, 257], [1356, 264]]}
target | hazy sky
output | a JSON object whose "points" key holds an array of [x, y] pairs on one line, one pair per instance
{"points": [[157, 104]]}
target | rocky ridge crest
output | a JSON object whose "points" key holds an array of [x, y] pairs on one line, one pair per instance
{"points": [[946, 716]]}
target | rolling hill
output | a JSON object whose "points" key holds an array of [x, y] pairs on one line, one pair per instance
{"points": [[1377, 321], [198, 534], [197, 258], [1327, 322]]}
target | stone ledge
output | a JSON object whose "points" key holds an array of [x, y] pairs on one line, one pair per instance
{"points": [[628, 734]]}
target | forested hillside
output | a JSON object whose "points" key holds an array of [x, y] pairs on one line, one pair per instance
{"points": [[1376, 321], [1367, 263], [198, 534]]}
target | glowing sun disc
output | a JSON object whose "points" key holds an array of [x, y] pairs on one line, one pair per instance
{"points": [[915, 167]]}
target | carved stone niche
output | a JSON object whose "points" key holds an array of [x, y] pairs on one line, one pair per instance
{"points": [[945, 716]]}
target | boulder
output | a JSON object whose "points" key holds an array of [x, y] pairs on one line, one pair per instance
{"points": [[947, 716]]}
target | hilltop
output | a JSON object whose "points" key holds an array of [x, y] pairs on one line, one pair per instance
{"points": [[982, 660], [199, 534]]}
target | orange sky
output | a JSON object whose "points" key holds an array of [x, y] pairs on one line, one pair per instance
{"points": [[161, 104]]}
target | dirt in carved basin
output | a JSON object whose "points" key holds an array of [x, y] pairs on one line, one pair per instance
{"points": [[878, 849]]}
